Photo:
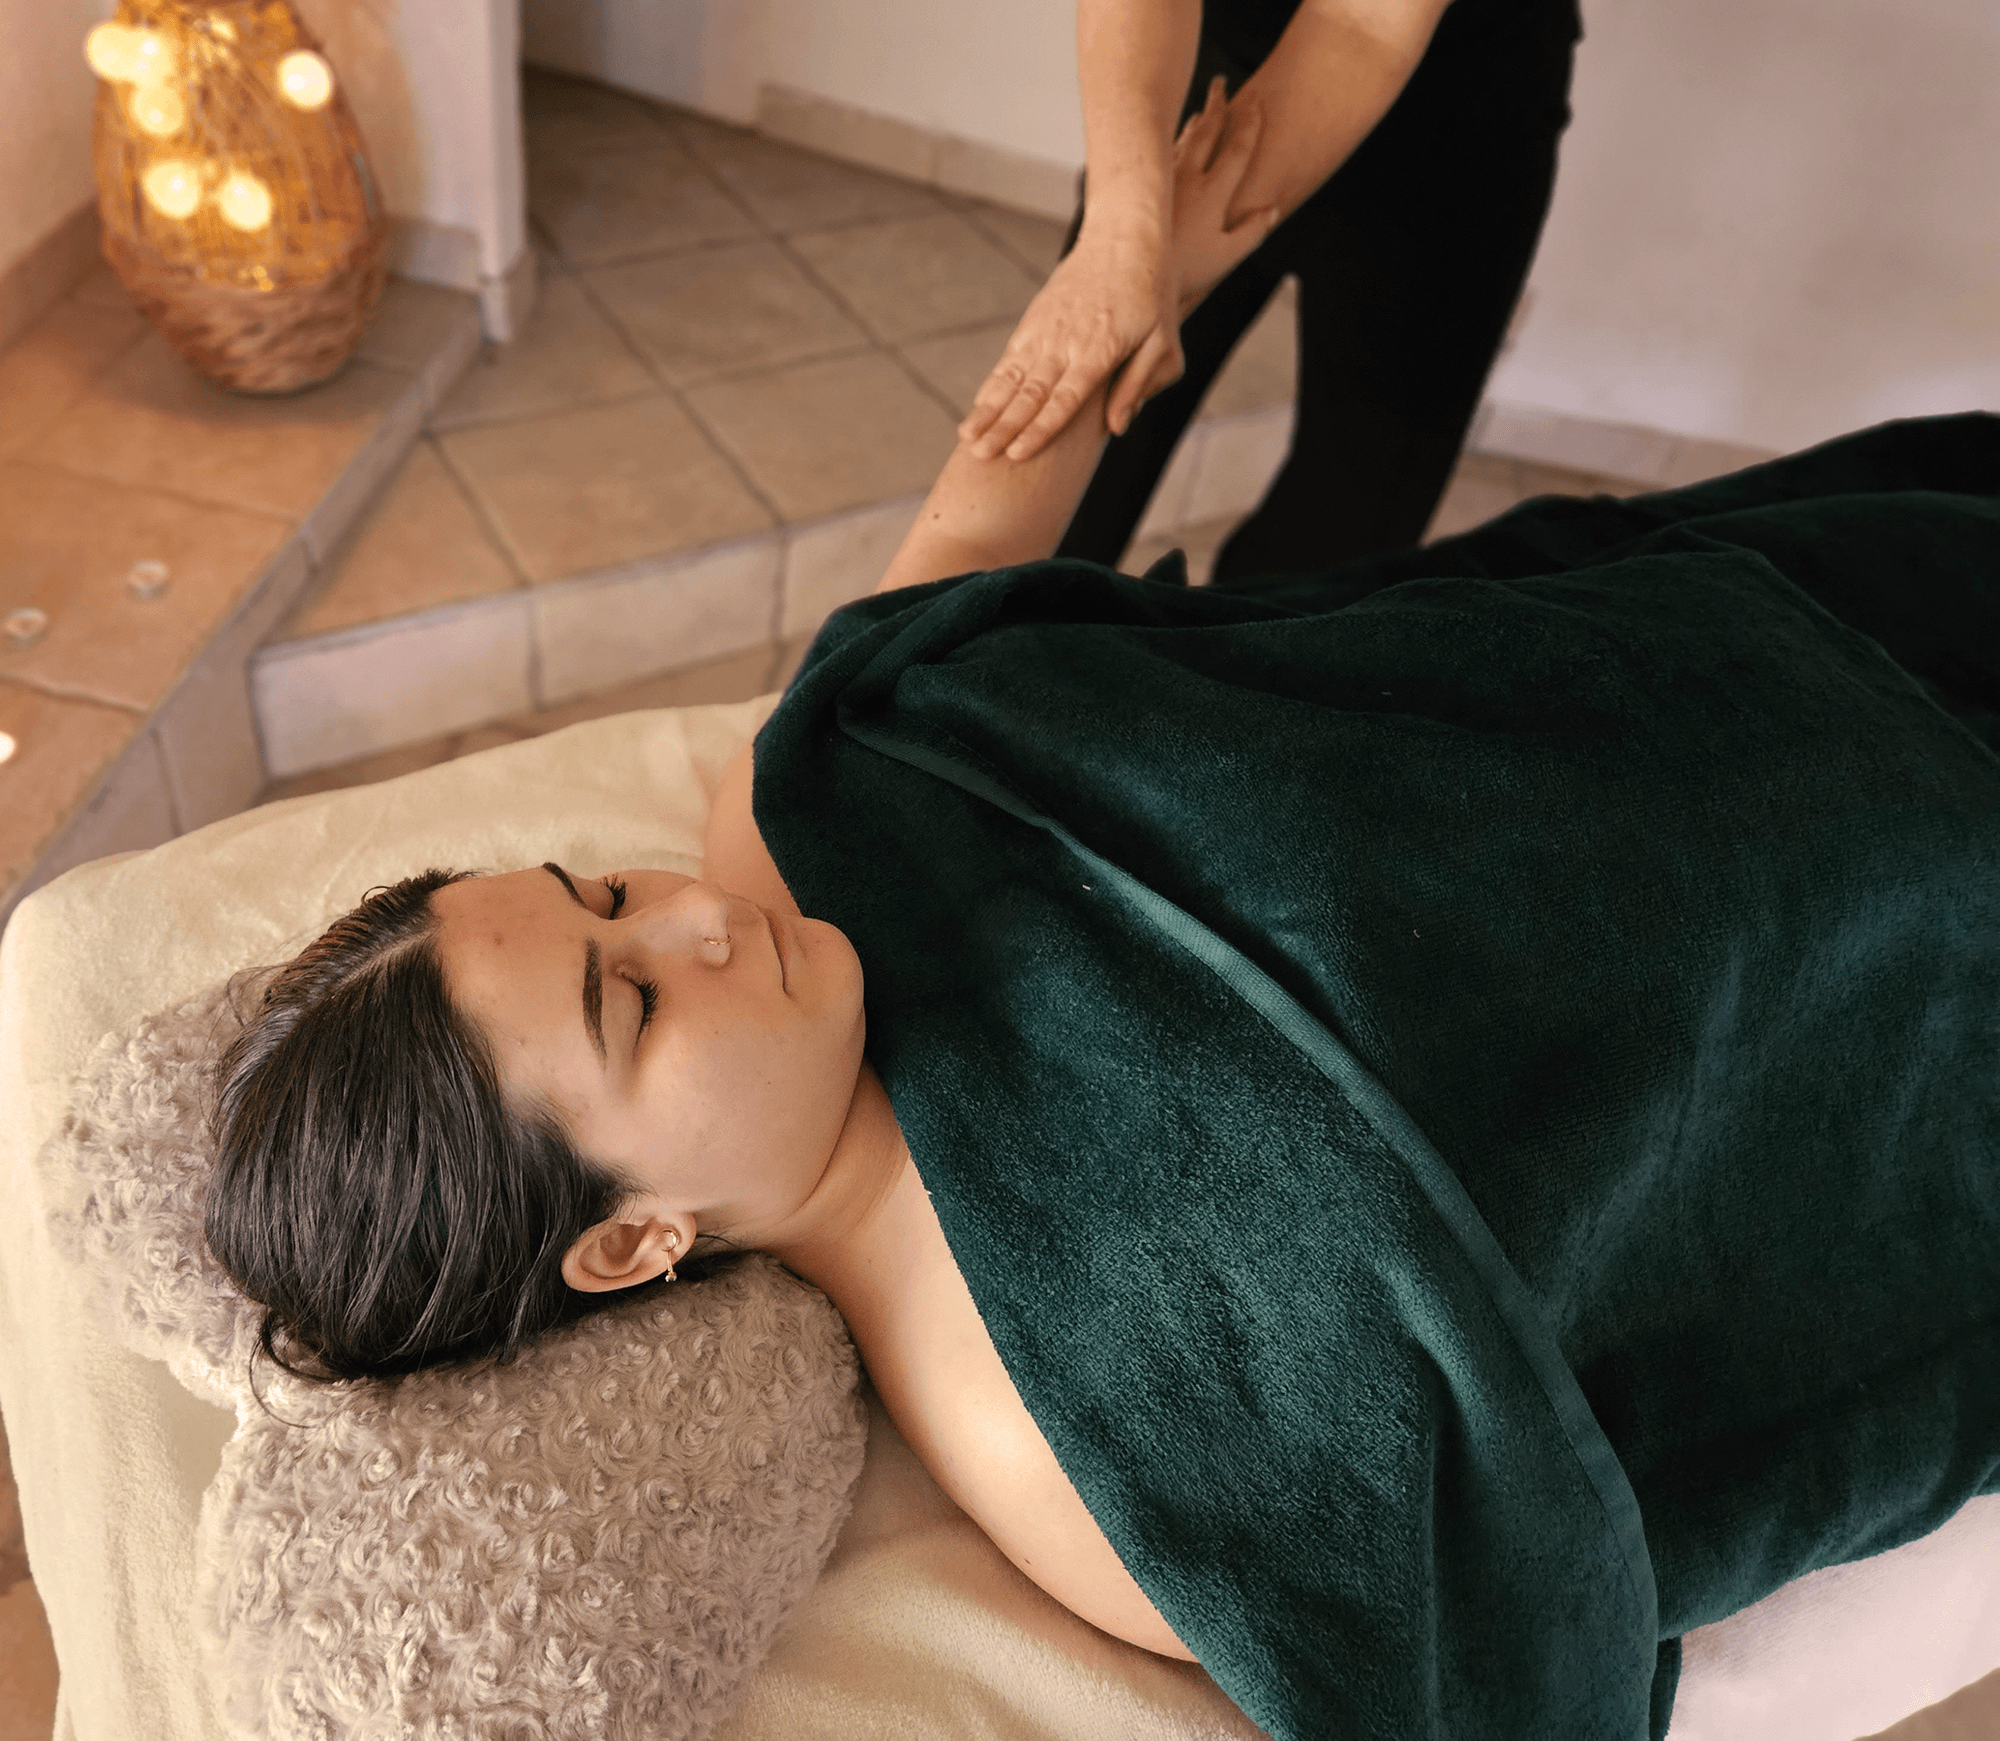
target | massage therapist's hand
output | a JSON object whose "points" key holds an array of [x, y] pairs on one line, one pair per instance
{"points": [[1110, 299], [1210, 157]]}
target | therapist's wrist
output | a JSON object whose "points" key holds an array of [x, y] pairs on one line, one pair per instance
{"points": [[1130, 213]]}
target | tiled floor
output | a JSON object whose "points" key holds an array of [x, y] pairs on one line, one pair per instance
{"points": [[736, 341], [744, 370]]}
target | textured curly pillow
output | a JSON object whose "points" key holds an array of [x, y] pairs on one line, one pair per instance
{"points": [[597, 1540]]}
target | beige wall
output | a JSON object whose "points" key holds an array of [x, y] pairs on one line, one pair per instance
{"points": [[1000, 74], [45, 98], [1777, 220], [433, 83]]}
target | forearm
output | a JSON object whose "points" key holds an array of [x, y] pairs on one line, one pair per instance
{"points": [[989, 513], [1133, 59], [1337, 70]]}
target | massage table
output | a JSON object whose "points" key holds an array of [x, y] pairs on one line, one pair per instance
{"points": [[918, 1626]]}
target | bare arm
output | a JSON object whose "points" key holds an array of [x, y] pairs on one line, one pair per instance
{"points": [[1336, 71], [991, 513], [988, 513], [1112, 298]]}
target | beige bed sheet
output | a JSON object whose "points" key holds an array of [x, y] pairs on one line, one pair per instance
{"points": [[919, 1627]]}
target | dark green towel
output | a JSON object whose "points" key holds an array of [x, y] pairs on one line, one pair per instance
{"points": [[1464, 1087]]}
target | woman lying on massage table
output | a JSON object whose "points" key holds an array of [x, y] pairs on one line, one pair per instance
{"points": [[1417, 1131]]}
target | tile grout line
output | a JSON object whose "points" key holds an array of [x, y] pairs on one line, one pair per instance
{"points": [[780, 526], [502, 547]]}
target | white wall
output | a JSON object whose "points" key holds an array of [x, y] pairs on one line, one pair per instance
{"points": [[1776, 220], [433, 84], [1001, 72]]}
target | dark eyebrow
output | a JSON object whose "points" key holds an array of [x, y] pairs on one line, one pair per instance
{"points": [[562, 876], [593, 996], [593, 970]]}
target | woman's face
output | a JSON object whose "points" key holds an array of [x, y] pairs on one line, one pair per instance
{"points": [[699, 1043]]}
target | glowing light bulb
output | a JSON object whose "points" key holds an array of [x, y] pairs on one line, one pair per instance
{"points": [[172, 187], [113, 52], [305, 79], [157, 110], [245, 201], [154, 57], [8, 745]]}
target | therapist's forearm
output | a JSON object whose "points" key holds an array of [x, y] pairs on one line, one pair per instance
{"points": [[1337, 70], [990, 513], [1133, 62]]}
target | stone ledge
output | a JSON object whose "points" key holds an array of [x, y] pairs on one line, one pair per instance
{"points": [[195, 754]]}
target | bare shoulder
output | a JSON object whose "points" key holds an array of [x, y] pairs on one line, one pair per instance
{"points": [[733, 852], [944, 1384], [933, 1363]]}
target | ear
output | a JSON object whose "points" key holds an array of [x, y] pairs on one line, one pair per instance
{"points": [[623, 1254]]}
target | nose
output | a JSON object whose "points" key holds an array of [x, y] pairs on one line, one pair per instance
{"points": [[694, 921]]}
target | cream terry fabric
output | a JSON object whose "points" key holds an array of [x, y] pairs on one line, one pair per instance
{"points": [[919, 1626]]}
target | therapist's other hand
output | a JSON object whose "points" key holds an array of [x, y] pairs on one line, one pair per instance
{"points": [[1210, 157], [1109, 300]]}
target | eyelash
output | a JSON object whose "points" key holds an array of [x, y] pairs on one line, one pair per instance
{"points": [[649, 993]]}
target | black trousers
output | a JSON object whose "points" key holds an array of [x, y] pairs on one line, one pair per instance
{"points": [[1410, 260]]}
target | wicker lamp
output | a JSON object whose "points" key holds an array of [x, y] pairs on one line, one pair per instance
{"points": [[234, 193]]}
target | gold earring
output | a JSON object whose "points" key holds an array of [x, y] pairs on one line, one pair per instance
{"points": [[673, 1247]]}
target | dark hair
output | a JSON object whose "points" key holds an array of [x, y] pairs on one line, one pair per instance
{"points": [[373, 1189]]}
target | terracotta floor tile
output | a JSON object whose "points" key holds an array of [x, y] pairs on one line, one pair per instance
{"points": [[724, 309], [958, 363], [407, 327], [792, 189], [67, 545], [13, 1545], [420, 546], [583, 490], [1198, 544], [819, 437], [27, 1667], [153, 421], [1035, 242], [565, 117], [791, 655], [99, 288], [49, 367], [1481, 486], [1536, 479], [910, 277], [606, 206], [63, 746], [568, 355]]}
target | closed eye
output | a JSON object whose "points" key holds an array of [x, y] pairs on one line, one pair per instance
{"points": [[617, 887], [649, 1001]]}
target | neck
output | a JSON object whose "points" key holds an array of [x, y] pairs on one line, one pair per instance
{"points": [[854, 1236]]}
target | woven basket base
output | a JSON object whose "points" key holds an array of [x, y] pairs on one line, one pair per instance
{"points": [[256, 341]]}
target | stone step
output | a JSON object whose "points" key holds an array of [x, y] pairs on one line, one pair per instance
{"points": [[327, 698]]}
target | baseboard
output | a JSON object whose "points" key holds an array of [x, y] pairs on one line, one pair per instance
{"points": [[938, 159], [1635, 452], [45, 274], [448, 254]]}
